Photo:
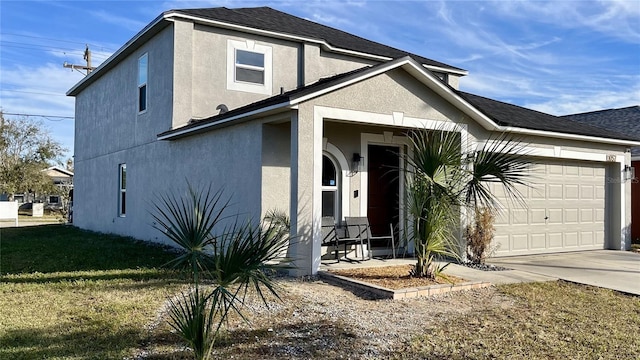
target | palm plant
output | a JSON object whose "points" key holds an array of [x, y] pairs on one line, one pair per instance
{"points": [[232, 258], [442, 179]]}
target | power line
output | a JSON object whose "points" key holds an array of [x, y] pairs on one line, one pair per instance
{"points": [[36, 115], [4, 42], [52, 49], [32, 92], [65, 41]]}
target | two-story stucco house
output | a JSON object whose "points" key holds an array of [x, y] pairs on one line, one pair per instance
{"points": [[289, 114]]}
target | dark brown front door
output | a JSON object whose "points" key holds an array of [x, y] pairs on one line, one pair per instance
{"points": [[384, 188]]}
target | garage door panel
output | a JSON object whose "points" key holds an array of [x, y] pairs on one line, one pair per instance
{"points": [[586, 238], [519, 217], [587, 192], [538, 192], [586, 216], [555, 240], [555, 216], [570, 239], [571, 192], [538, 241], [571, 170], [519, 242], [587, 171], [538, 216], [565, 211], [554, 169], [554, 191]]}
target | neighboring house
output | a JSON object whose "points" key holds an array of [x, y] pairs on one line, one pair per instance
{"points": [[61, 178], [625, 120], [284, 113]]}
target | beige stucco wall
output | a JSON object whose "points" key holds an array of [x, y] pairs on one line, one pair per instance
{"points": [[276, 167]]}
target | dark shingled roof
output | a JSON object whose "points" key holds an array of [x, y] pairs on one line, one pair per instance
{"points": [[618, 120], [624, 119], [512, 115], [265, 18]]}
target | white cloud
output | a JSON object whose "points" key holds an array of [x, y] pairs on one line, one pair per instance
{"points": [[579, 102], [125, 22]]}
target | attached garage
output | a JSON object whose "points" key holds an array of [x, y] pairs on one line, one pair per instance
{"points": [[565, 210]]}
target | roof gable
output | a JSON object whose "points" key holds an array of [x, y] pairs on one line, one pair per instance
{"points": [[55, 171]]}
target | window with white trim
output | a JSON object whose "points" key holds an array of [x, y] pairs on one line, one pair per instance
{"points": [[143, 75], [122, 190], [330, 188], [249, 67]]}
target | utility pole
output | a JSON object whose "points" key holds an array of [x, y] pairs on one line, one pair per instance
{"points": [[87, 58]]}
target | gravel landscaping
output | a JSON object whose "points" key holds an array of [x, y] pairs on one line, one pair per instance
{"points": [[316, 320]]}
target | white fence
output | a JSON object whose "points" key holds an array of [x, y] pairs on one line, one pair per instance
{"points": [[9, 211]]}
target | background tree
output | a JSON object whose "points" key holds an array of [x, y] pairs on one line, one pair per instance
{"points": [[26, 148]]}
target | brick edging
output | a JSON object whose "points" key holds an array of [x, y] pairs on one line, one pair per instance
{"points": [[406, 293]]}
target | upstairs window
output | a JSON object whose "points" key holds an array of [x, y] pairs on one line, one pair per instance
{"points": [[249, 67], [143, 75], [122, 190]]}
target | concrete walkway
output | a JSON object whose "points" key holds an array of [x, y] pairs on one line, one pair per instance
{"points": [[611, 269]]}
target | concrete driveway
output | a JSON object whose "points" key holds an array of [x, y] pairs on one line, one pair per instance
{"points": [[611, 269]]}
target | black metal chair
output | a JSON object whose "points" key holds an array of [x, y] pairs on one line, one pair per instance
{"points": [[334, 235], [359, 227]]}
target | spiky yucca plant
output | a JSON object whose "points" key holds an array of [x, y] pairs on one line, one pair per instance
{"points": [[232, 258]]}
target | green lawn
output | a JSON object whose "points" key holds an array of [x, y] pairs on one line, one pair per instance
{"points": [[71, 294]]}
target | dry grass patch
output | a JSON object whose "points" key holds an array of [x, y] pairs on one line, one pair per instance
{"points": [[394, 277], [551, 320]]}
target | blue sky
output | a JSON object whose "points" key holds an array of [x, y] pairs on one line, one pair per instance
{"points": [[559, 57]]}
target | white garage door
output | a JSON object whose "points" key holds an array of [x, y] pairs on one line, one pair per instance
{"points": [[565, 211]]}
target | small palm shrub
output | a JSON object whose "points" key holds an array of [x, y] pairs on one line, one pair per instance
{"points": [[442, 179], [232, 258], [479, 235]]}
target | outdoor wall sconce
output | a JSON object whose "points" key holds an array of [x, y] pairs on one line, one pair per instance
{"points": [[355, 162], [629, 172]]}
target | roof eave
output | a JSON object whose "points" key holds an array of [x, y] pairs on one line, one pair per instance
{"points": [[566, 136], [181, 132]]}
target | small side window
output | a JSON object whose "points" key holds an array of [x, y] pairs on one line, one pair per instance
{"points": [[122, 190], [143, 74]]}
